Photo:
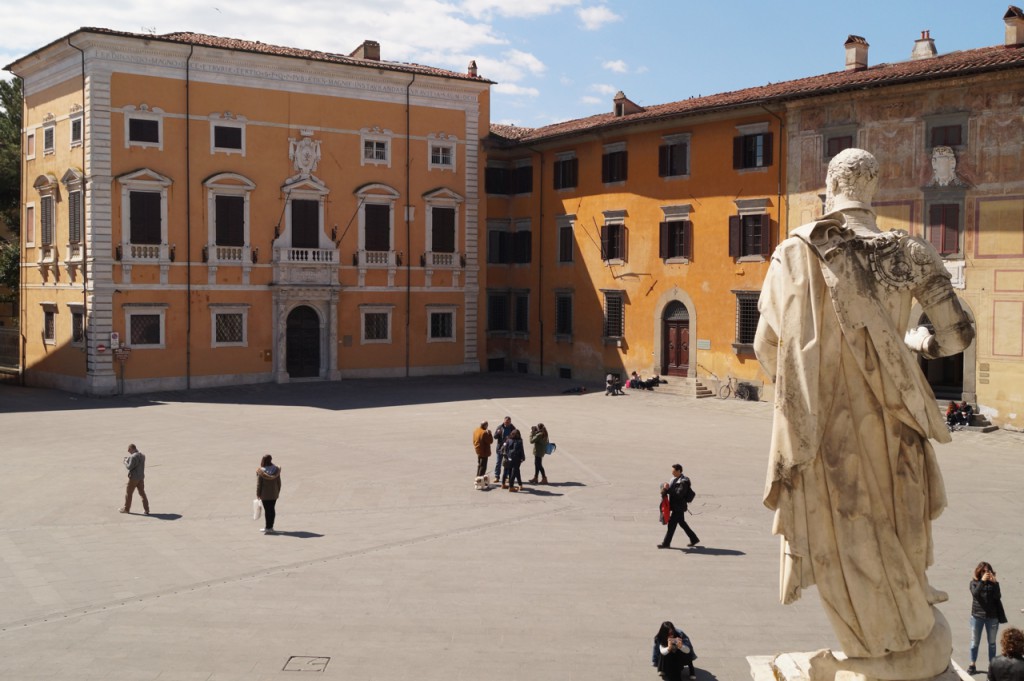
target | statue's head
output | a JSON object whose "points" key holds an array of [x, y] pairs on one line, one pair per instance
{"points": [[851, 180]]}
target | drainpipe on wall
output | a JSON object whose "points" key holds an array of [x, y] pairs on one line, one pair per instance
{"points": [[22, 285], [408, 225], [778, 200], [188, 220], [85, 241]]}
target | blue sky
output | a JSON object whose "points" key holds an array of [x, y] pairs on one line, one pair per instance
{"points": [[555, 59]]}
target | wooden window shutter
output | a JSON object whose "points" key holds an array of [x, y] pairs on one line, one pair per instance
{"points": [[604, 241], [663, 236], [737, 152], [767, 148], [623, 242], [605, 166], [664, 160], [685, 234], [766, 234], [735, 236], [951, 229], [935, 226], [625, 165], [574, 165]]}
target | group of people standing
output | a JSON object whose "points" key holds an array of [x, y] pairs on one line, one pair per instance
{"points": [[510, 453]]}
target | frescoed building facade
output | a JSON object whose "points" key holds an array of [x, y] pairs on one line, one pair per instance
{"points": [[234, 212]]}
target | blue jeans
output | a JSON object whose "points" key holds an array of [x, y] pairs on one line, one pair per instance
{"points": [[991, 625]]}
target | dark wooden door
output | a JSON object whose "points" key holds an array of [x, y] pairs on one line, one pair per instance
{"points": [[302, 343], [677, 347]]}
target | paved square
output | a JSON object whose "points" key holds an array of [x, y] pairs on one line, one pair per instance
{"points": [[390, 565]]}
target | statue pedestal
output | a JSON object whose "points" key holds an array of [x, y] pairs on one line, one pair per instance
{"points": [[794, 666]]}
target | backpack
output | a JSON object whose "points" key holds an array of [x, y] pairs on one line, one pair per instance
{"points": [[684, 491]]}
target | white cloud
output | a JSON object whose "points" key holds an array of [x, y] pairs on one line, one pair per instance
{"points": [[617, 66], [604, 88], [512, 66], [564, 81], [589, 99], [641, 69], [513, 89], [516, 8], [526, 61], [594, 18]]}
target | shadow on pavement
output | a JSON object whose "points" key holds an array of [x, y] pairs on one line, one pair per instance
{"points": [[540, 492], [713, 552], [331, 395], [566, 484], [165, 516], [300, 534]]}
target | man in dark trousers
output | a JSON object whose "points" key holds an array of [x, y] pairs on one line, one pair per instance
{"points": [[501, 433], [677, 491]]}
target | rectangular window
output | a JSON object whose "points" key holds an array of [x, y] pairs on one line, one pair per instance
{"points": [[613, 242], [442, 230], [305, 223], [674, 159], [442, 156], [145, 130], [229, 328], [46, 221], [614, 314], [497, 311], [49, 326], [522, 312], [30, 145], [497, 180], [522, 179], [566, 242], [144, 214], [563, 314], [752, 151], [375, 326], [30, 225], [48, 139], [230, 220], [377, 224], [613, 166], [442, 326], [144, 329], [674, 239], [375, 150], [944, 227], [566, 173], [499, 246], [76, 130], [77, 327], [837, 144], [75, 217], [747, 318], [947, 135], [522, 246], [749, 235], [227, 137]]}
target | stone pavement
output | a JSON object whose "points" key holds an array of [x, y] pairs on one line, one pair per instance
{"points": [[390, 564]]}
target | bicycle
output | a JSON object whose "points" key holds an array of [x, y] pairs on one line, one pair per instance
{"points": [[741, 390]]}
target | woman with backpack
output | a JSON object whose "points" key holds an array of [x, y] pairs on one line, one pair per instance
{"points": [[539, 440], [514, 457]]}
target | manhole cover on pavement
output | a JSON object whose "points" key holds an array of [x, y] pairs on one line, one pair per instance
{"points": [[304, 663]]}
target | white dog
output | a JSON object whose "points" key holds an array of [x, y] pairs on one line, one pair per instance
{"points": [[483, 482]]}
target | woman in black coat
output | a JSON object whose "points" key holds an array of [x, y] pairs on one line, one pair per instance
{"points": [[675, 654], [986, 611]]}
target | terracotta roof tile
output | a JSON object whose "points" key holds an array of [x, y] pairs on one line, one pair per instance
{"points": [[235, 44], [954, 64]]}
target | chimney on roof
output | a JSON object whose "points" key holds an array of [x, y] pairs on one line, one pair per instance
{"points": [[1014, 19], [369, 50], [856, 53], [472, 68], [622, 106], [924, 47]]}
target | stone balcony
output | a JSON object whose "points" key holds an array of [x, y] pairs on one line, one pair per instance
{"points": [[306, 266]]}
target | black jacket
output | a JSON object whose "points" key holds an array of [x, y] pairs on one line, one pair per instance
{"points": [[677, 492], [988, 602]]}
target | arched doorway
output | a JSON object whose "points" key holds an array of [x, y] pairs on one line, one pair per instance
{"points": [[675, 340], [945, 374], [302, 343]]}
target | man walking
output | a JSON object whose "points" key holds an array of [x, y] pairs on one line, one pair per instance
{"points": [[482, 440], [135, 462], [678, 493]]}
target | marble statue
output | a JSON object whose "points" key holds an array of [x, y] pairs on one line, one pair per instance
{"points": [[852, 476]]}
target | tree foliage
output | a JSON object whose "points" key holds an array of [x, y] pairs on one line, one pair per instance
{"points": [[10, 153]]}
